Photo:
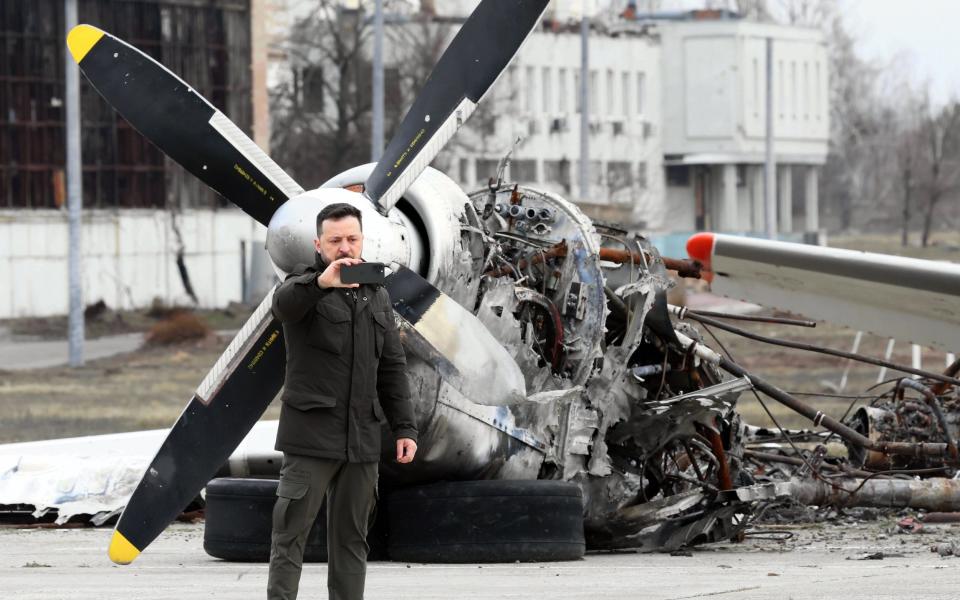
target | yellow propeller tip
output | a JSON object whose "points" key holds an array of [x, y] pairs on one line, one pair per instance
{"points": [[81, 38], [121, 550]]}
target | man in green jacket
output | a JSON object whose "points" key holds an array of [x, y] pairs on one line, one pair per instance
{"points": [[345, 371]]}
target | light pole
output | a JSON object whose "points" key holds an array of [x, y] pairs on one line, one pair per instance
{"points": [[74, 193]]}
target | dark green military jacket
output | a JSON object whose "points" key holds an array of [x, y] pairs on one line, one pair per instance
{"points": [[345, 369]]}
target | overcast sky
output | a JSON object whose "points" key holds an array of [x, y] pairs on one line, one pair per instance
{"points": [[920, 37]]}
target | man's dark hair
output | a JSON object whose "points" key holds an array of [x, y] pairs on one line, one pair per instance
{"points": [[337, 211]]}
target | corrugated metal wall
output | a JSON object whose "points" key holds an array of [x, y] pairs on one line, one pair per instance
{"points": [[206, 42]]}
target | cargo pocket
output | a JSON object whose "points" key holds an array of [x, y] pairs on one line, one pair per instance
{"points": [[290, 510], [380, 329], [330, 327]]}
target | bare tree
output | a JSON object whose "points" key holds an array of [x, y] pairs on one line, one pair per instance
{"points": [[941, 133], [321, 112]]}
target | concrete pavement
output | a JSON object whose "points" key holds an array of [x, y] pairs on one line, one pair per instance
{"points": [[72, 564], [17, 354]]}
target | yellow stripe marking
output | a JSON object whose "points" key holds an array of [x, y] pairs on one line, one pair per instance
{"points": [[121, 550], [81, 38]]}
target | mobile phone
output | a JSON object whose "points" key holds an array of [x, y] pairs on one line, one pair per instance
{"points": [[366, 272]]}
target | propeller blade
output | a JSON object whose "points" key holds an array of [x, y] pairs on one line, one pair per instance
{"points": [[181, 123], [454, 340], [228, 403], [481, 50]]}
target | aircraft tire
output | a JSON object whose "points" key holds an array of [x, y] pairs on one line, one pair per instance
{"points": [[238, 523], [487, 521]]}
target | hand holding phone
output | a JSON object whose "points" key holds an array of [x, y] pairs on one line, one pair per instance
{"points": [[365, 272]]}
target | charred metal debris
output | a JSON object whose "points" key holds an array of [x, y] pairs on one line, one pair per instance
{"points": [[644, 409]]}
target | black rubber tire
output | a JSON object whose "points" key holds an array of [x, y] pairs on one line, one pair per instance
{"points": [[486, 521], [238, 523]]}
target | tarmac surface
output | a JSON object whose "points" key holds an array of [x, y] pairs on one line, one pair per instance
{"points": [[22, 353], [819, 562]]}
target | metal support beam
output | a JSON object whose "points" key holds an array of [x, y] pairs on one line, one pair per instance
{"points": [[785, 198], [376, 135], [74, 193], [584, 105], [811, 211], [770, 165]]}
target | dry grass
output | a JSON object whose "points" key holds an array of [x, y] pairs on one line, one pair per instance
{"points": [[146, 389], [178, 328]]}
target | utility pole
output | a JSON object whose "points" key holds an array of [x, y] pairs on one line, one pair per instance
{"points": [[74, 192], [584, 104], [376, 135], [770, 165]]}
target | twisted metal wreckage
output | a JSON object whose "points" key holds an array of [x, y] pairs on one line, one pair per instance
{"points": [[638, 410], [539, 344]]}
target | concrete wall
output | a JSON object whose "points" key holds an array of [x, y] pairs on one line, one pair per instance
{"points": [[714, 92], [129, 258]]}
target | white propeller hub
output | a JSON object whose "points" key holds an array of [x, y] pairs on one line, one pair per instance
{"points": [[293, 229]]}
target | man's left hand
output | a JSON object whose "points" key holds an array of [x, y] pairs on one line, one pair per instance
{"points": [[406, 448]]}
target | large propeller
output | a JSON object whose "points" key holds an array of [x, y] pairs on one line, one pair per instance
{"points": [[192, 132]]}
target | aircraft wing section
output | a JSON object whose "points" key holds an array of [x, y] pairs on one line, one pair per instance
{"points": [[96, 474], [907, 299]]}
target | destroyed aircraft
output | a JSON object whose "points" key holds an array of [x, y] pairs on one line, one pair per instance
{"points": [[539, 345]]}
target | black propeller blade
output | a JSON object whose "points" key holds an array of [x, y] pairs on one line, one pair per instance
{"points": [[180, 122], [481, 50], [226, 405]]}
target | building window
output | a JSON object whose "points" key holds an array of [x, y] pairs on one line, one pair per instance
{"points": [[642, 175], [311, 89], [678, 175], [781, 95], [547, 87], [793, 89], [806, 91], [562, 90], [625, 93], [523, 171], [817, 97], [756, 87], [487, 169], [641, 92], [465, 178], [530, 90], [558, 172], [576, 91], [594, 91], [610, 92], [619, 176]]}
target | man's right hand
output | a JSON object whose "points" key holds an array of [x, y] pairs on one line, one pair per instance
{"points": [[331, 275]]}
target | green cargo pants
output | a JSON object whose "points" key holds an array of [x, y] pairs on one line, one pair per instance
{"points": [[351, 499]]}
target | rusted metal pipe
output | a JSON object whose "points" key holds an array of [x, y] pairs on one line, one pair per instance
{"points": [[941, 517], [683, 267], [935, 494], [820, 419], [716, 444], [934, 405], [799, 462], [559, 250], [752, 318], [941, 387]]}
